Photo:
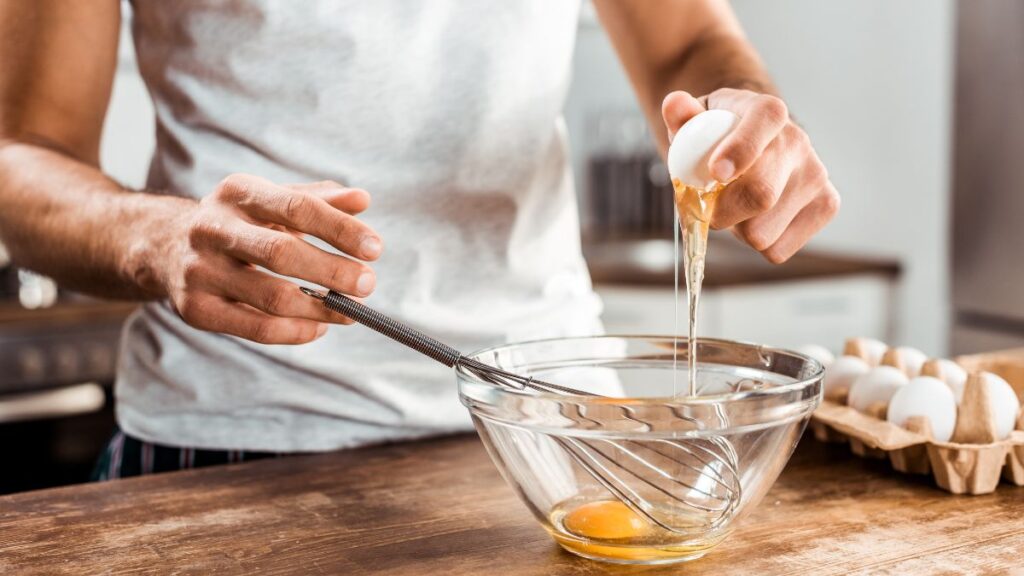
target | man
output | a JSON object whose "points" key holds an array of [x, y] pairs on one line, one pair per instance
{"points": [[276, 122]]}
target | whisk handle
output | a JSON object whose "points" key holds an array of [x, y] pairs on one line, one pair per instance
{"points": [[389, 327]]}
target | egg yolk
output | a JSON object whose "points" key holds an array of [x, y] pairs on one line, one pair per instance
{"points": [[607, 520]]}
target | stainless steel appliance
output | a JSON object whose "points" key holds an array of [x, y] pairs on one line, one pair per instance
{"points": [[988, 206]]}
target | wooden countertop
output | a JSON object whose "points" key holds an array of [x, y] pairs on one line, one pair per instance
{"points": [[439, 507], [65, 314], [729, 263]]}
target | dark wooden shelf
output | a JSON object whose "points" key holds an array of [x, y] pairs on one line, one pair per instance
{"points": [[729, 263]]}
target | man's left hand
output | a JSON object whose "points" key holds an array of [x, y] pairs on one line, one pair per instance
{"points": [[778, 194]]}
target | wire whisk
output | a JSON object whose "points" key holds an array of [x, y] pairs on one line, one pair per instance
{"points": [[699, 473]]}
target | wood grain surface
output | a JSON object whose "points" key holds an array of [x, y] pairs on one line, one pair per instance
{"points": [[439, 507]]}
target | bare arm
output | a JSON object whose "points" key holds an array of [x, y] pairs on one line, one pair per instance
{"points": [[684, 56], [63, 217], [692, 45]]}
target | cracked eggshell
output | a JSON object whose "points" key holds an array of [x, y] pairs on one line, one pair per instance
{"points": [[1003, 402], [692, 146], [842, 373], [913, 359], [928, 397], [819, 353], [876, 386]]}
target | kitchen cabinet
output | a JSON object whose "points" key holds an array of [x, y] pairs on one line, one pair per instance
{"points": [[815, 298], [784, 314]]}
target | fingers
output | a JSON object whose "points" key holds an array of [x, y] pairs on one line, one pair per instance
{"points": [[300, 211], [778, 193], [242, 283], [350, 200], [209, 312], [757, 191], [808, 222], [677, 108], [802, 188], [762, 118], [250, 222], [284, 254]]}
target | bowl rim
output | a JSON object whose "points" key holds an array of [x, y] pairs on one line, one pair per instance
{"points": [[715, 399]]}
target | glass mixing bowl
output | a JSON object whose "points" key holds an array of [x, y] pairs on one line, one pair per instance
{"points": [[643, 473]]}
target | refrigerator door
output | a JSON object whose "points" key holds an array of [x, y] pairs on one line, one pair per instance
{"points": [[988, 208]]}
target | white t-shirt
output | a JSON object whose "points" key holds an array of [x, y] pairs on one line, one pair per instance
{"points": [[449, 113]]}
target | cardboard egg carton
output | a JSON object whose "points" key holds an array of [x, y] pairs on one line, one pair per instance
{"points": [[972, 462]]}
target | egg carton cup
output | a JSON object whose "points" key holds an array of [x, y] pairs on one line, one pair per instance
{"points": [[972, 462]]}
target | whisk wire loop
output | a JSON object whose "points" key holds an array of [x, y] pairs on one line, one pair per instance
{"points": [[705, 469]]}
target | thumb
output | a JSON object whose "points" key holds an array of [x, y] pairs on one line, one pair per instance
{"points": [[677, 108]]}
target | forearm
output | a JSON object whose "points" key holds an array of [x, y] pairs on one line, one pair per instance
{"points": [[64, 218], [715, 60], [696, 46]]}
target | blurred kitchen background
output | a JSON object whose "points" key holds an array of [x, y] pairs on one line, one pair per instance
{"points": [[874, 82]]}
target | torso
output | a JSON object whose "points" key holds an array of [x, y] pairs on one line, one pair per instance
{"points": [[449, 114]]}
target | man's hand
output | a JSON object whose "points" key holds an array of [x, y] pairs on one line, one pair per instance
{"points": [[778, 194], [213, 273], [781, 194]]}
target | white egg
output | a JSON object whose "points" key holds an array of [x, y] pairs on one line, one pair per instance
{"points": [[872, 349], [875, 349], [913, 359], [955, 377], [876, 386], [1004, 403], [819, 353], [692, 146], [842, 373], [928, 397]]}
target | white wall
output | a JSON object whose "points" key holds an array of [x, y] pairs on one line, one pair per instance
{"points": [[871, 81], [128, 131]]}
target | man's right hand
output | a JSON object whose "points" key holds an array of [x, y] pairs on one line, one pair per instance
{"points": [[213, 271]]}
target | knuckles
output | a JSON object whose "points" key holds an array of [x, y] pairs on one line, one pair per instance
{"points": [[743, 150], [815, 173], [271, 331], [341, 278], [274, 299], [797, 137], [192, 307], [273, 250], [775, 255], [773, 108], [296, 207], [759, 195], [193, 271], [202, 231], [233, 187], [263, 332], [756, 237], [832, 201]]}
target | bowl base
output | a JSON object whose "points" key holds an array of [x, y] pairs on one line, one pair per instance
{"points": [[639, 560], [626, 554]]}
